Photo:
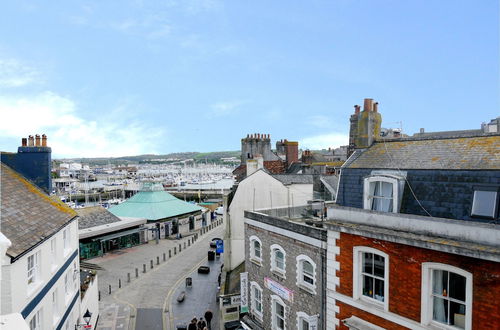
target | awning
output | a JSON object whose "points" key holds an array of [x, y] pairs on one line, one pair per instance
{"points": [[116, 235]]}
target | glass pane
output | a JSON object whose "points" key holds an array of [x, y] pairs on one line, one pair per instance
{"points": [[378, 265], [281, 323], [440, 310], [484, 203], [368, 263], [457, 287], [279, 255], [280, 310], [368, 286], [440, 282], [379, 290], [308, 279], [307, 268], [457, 315], [305, 325]]}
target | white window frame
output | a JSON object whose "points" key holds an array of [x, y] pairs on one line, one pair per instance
{"points": [[253, 257], [55, 306], [276, 299], [274, 268], [475, 202], [76, 277], [358, 276], [427, 302], [67, 286], [397, 190], [53, 253], [67, 240], [301, 316], [253, 307], [38, 319], [34, 272], [300, 259]]}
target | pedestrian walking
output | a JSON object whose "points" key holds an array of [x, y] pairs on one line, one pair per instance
{"points": [[192, 325], [201, 324], [208, 317]]}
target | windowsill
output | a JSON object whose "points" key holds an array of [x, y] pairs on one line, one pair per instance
{"points": [[372, 302], [307, 288], [441, 326], [33, 287], [278, 273], [256, 261], [257, 316]]}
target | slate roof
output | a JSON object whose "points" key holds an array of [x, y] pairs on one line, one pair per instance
{"points": [[294, 178], [331, 182], [27, 214], [463, 153], [153, 205], [95, 216]]}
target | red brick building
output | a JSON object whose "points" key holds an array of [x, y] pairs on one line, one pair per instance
{"points": [[414, 236]]}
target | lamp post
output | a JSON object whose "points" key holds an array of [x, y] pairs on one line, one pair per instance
{"points": [[86, 317]]}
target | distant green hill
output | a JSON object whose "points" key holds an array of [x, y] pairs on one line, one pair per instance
{"points": [[198, 157]]}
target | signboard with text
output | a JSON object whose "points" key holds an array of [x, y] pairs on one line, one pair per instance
{"points": [[220, 246], [279, 289], [244, 292]]}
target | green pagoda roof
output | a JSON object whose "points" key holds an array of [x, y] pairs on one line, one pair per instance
{"points": [[153, 204]]}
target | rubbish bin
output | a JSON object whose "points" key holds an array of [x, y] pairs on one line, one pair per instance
{"points": [[211, 255], [189, 282]]}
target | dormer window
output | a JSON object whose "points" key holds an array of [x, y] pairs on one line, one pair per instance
{"points": [[383, 193]]}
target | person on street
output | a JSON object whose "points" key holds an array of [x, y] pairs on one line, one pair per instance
{"points": [[192, 325], [201, 324], [208, 317]]}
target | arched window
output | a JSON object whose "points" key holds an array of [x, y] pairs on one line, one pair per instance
{"points": [[256, 300], [278, 313], [383, 193], [306, 273], [305, 322], [278, 260], [371, 276], [446, 296], [255, 249]]}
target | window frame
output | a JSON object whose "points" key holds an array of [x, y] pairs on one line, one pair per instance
{"points": [[253, 299], [53, 253], [358, 276], [274, 269], [36, 277], [277, 300], [426, 317], [300, 259], [301, 316], [38, 318], [258, 260], [67, 240], [494, 189], [397, 190], [55, 306]]}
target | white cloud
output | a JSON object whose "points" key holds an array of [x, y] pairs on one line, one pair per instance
{"points": [[226, 107], [14, 73], [71, 135], [324, 141]]}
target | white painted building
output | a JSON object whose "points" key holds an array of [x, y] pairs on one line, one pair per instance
{"points": [[41, 271], [257, 191]]}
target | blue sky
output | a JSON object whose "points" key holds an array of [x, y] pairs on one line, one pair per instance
{"points": [[112, 78]]}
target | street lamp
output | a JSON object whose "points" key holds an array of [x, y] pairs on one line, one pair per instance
{"points": [[86, 317]]}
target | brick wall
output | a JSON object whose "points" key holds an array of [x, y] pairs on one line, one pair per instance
{"points": [[303, 301], [405, 278]]}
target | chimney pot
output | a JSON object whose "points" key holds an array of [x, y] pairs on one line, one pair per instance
{"points": [[375, 107], [422, 130], [24, 142], [31, 141], [44, 140], [368, 105], [357, 109], [37, 140]]}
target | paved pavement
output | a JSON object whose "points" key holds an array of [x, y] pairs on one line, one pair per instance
{"points": [[143, 303], [205, 286]]}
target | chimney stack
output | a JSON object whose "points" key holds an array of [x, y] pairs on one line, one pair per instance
{"points": [[24, 142], [291, 152], [44, 140], [37, 141], [31, 141], [368, 105]]}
